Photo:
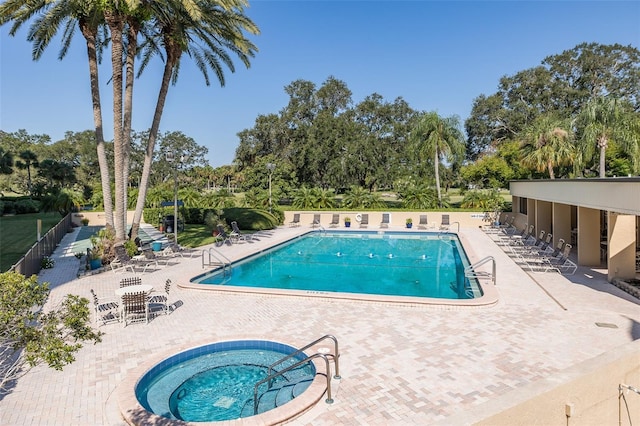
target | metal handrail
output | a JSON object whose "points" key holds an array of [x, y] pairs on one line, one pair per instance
{"points": [[325, 337], [329, 400], [470, 270], [219, 257]]}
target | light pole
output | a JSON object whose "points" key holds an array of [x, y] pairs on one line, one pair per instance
{"points": [[270, 167], [171, 159]]}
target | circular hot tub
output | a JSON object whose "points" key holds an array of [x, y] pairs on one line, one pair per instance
{"points": [[224, 381]]}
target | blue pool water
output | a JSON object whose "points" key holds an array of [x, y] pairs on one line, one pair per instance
{"points": [[216, 382], [383, 263]]}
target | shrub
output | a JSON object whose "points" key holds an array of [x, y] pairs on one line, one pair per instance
{"points": [[26, 205], [47, 262]]}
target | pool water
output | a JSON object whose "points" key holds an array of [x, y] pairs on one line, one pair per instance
{"points": [[217, 383], [383, 263]]}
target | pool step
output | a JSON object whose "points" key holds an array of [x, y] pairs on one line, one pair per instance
{"points": [[277, 396]]}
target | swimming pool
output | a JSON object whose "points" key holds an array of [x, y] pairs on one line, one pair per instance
{"points": [[422, 265], [215, 382]]}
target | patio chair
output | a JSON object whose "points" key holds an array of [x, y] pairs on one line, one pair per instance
{"points": [[135, 308], [127, 282], [151, 257], [316, 220], [364, 222], [335, 220], [159, 301], [296, 220], [385, 220], [107, 309], [445, 223]]}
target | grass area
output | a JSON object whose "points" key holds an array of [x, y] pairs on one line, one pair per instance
{"points": [[18, 233], [195, 236]]}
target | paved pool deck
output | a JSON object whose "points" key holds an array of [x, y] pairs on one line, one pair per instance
{"points": [[400, 365]]}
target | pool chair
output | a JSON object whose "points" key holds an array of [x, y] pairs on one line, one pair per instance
{"points": [[107, 309], [135, 308], [445, 223], [316, 220], [335, 221], [159, 301], [124, 262], [295, 221], [423, 223], [364, 222], [223, 237], [237, 235], [385, 220]]}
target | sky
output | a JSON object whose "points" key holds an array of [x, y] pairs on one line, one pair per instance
{"points": [[436, 55]]}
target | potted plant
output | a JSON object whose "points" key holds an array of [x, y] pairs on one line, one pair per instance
{"points": [[347, 222], [409, 222], [95, 258], [84, 221]]}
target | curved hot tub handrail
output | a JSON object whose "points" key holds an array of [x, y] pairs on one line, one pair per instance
{"points": [[304, 348], [329, 400]]}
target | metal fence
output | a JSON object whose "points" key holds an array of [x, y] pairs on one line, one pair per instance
{"points": [[31, 262]]}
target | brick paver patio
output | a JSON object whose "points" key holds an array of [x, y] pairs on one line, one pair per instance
{"points": [[399, 365]]}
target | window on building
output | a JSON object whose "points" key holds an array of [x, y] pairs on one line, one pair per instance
{"points": [[523, 205]]}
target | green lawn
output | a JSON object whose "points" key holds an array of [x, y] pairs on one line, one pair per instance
{"points": [[18, 233]]}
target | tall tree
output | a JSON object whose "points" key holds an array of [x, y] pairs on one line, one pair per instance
{"points": [[89, 18], [206, 33], [439, 139], [28, 159], [604, 119], [547, 143]]}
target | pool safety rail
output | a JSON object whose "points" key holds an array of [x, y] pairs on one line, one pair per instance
{"points": [[213, 257], [622, 390], [471, 272], [335, 356]]}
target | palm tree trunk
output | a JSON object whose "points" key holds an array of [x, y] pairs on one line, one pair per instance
{"points": [[435, 164], [173, 55], [90, 37], [116, 25], [132, 47], [550, 168], [602, 144]]}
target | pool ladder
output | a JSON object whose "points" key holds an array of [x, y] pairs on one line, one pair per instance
{"points": [[271, 375], [471, 272], [219, 260]]}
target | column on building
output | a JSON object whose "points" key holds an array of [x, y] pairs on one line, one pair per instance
{"points": [[543, 217], [589, 247], [561, 223], [621, 255]]}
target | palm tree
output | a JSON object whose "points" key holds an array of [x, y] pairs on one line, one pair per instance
{"points": [[27, 160], [6, 162], [604, 119], [206, 36], [546, 144], [437, 138], [90, 20]]}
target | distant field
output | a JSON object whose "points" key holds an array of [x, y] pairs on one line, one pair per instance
{"points": [[18, 233]]}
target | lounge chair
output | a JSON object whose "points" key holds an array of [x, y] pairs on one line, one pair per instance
{"points": [[335, 221], [107, 309], [385, 220], [223, 237], [316, 220], [296, 220], [445, 223], [159, 301], [123, 261], [135, 308], [151, 257], [364, 222], [237, 235], [423, 222]]}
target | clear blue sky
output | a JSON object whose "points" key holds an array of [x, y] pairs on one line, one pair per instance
{"points": [[436, 55]]}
